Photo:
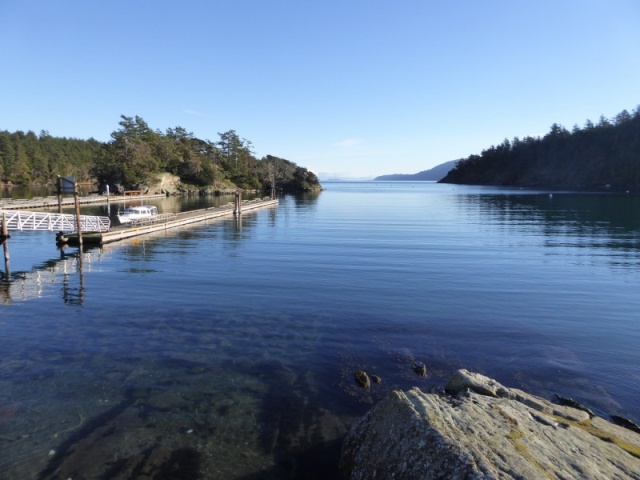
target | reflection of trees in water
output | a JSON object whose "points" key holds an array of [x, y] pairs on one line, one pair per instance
{"points": [[306, 197], [31, 191], [25, 285], [230, 229], [569, 220]]}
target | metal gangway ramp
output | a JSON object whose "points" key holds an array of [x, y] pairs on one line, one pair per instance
{"points": [[62, 222]]}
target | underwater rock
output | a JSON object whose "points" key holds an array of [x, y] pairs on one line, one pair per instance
{"points": [[362, 379], [419, 368], [375, 379], [165, 401], [285, 375], [8, 414]]}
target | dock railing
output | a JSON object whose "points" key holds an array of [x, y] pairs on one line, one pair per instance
{"points": [[161, 218], [64, 222]]}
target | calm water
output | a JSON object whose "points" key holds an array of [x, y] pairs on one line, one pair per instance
{"points": [[227, 350]]}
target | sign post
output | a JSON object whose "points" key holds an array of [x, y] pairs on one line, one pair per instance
{"points": [[65, 185]]}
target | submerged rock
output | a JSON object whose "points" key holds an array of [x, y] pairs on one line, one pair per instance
{"points": [[481, 430], [419, 368], [362, 379]]}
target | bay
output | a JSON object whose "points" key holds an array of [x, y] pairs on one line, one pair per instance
{"points": [[228, 349]]}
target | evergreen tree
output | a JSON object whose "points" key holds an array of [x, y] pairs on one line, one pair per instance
{"points": [[598, 155], [134, 152]]}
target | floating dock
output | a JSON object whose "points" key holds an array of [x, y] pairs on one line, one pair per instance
{"points": [[52, 202], [165, 222]]}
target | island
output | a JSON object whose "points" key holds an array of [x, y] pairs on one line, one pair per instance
{"points": [[139, 158]]}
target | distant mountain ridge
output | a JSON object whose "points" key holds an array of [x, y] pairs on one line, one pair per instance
{"points": [[434, 174]]}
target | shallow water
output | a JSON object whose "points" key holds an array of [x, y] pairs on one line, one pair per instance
{"points": [[227, 350]]}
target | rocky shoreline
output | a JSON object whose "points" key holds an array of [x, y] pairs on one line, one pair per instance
{"points": [[480, 429]]}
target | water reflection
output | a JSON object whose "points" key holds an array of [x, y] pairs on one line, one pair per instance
{"points": [[586, 224], [307, 198], [31, 191], [68, 269], [182, 240], [234, 359], [74, 294]]}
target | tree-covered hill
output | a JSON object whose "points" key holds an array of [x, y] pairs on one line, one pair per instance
{"points": [[136, 152], [27, 158], [605, 154]]}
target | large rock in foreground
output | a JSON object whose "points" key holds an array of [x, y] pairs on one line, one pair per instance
{"points": [[483, 430]]}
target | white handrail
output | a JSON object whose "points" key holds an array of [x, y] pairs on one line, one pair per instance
{"points": [[64, 222]]}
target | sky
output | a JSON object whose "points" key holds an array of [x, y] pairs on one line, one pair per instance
{"points": [[345, 88]]}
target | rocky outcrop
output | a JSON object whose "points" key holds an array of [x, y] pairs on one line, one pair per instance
{"points": [[162, 183], [169, 184], [480, 429]]}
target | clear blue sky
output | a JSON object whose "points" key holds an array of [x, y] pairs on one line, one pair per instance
{"points": [[349, 88]]}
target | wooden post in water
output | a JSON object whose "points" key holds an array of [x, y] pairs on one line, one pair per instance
{"points": [[78, 222], [59, 194], [237, 205], [4, 239]]}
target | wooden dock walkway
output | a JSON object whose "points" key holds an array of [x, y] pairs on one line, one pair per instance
{"points": [[167, 222], [52, 201]]}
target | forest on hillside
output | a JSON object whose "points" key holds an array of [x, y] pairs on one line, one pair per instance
{"points": [[597, 155], [136, 152]]}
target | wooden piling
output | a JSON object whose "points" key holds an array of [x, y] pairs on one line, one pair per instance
{"points": [[4, 239], [59, 194], [78, 221], [237, 206]]}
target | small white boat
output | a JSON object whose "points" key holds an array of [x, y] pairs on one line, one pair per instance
{"points": [[130, 214]]}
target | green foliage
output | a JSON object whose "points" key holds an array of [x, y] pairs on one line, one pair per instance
{"points": [[135, 151], [27, 158], [604, 154], [286, 175]]}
